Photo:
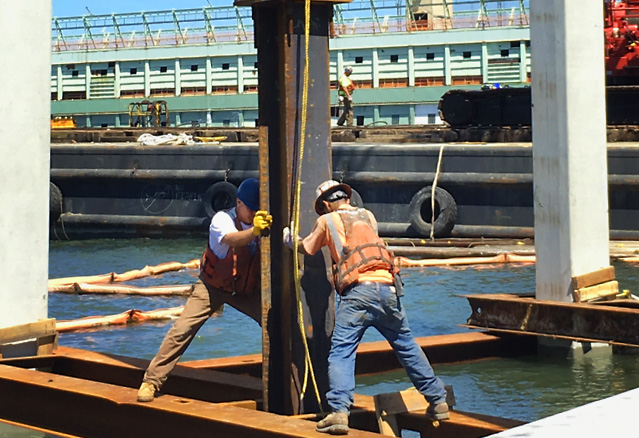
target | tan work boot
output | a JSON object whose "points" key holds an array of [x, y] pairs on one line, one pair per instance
{"points": [[438, 411], [335, 423], [147, 391]]}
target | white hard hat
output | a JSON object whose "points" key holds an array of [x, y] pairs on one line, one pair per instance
{"points": [[325, 189]]}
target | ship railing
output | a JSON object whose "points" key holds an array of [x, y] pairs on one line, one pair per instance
{"points": [[211, 25], [133, 40]]}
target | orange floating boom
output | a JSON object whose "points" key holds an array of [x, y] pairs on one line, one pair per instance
{"points": [[126, 276], [129, 316]]}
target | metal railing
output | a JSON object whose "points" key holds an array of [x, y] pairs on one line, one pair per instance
{"points": [[211, 25]]}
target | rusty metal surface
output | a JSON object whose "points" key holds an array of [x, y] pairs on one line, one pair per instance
{"points": [[280, 42], [378, 357], [207, 385], [93, 409], [461, 424], [93, 395], [270, 41], [265, 262], [585, 322]]}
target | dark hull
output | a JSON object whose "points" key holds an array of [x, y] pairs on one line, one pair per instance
{"points": [[513, 107], [130, 190]]}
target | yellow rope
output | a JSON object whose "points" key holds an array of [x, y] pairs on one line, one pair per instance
{"points": [[308, 365], [432, 193]]}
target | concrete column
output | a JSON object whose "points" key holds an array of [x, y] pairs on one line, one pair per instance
{"points": [[411, 114], [178, 77], [24, 179], [87, 80], [375, 70], [411, 67], [484, 63], [448, 77], [523, 62], [60, 81], [209, 76], [569, 144], [240, 74], [376, 116], [147, 79], [117, 87], [340, 64]]}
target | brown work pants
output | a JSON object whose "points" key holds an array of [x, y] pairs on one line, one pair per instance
{"points": [[347, 114], [202, 303]]}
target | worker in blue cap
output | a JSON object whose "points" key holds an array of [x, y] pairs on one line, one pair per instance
{"points": [[229, 274]]}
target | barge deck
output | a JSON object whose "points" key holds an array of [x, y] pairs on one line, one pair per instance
{"points": [[483, 189]]}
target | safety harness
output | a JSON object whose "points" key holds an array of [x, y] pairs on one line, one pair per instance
{"points": [[237, 273], [362, 250]]}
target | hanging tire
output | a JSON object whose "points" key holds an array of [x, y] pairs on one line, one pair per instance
{"points": [[55, 203], [420, 213], [220, 196], [356, 199]]}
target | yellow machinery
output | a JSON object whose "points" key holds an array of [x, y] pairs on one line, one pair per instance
{"points": [[149, 114], [63, 123]]}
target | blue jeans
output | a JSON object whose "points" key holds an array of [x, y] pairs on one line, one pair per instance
{"points": [[376, 305]]}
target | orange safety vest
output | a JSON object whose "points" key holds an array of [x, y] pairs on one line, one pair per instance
{"points": [[362, 251], [237, 273]]}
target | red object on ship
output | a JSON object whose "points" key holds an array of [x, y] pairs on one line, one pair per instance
{"points": [[621, 30]]}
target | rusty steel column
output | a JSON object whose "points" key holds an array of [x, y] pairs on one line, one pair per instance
{"points": [[280, 42]]}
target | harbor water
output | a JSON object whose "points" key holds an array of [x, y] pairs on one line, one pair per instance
{"points": [[524, 388]]}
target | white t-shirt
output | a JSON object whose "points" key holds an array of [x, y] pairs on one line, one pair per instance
{"points": [[223, 222]]}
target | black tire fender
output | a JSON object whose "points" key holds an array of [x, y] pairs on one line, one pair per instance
{"points": [[220, 196], [55, 203], [356, 199], [445, 212]]}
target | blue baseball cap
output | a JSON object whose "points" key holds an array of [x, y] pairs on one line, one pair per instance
{"points": [[249, 193]]}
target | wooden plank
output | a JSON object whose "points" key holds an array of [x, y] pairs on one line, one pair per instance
{"points": [[388, 405], [23, 332], [403, 401], [47, 344], [593, 278], [606, 290]]}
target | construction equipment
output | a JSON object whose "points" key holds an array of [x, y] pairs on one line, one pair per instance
{"points": [[149, 114], [496, 105], [63, 123]]}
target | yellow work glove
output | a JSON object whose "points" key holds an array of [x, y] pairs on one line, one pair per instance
{"points": [[261, 223]]}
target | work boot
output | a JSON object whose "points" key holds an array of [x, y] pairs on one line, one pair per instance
{"points": [[335, 423], [147, 391], [438, 411]]}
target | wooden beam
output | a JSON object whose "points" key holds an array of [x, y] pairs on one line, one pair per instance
{"points": [[388, 405], [601, 291], [595, 285], [593, 278], [24, 332]]}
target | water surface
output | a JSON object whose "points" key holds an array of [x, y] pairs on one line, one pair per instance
{"points": [[524, 388]]}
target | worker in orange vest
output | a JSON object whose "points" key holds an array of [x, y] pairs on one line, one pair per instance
{"points": [[369, 289], [229, 274]]}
